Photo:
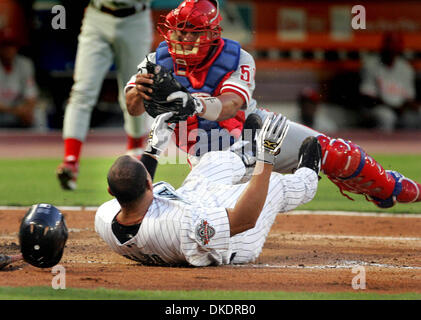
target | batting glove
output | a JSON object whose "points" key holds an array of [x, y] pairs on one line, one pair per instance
{"points": [[271, 137], [160, 134]]}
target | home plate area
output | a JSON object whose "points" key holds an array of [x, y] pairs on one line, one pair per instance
{"points": [[305, 251]]}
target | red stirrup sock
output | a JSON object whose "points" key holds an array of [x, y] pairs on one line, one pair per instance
{"points": [[351, 169], [135, 146], [136, 143], [72, 149]]}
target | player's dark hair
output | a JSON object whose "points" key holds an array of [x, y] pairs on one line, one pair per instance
{"points": [[127, 180]]}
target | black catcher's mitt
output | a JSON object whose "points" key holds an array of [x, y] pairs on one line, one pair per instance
{"points": [[165, 84]]}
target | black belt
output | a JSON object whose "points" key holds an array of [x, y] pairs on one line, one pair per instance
{"points": [[124, 12]]}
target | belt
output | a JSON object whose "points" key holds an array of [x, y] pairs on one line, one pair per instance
{"points": [[123, 12]]}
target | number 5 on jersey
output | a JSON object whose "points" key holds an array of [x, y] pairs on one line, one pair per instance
{"points": [[246, 73]]}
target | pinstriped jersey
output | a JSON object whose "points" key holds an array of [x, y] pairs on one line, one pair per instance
{"points": [[173, 231], [191, 225]]}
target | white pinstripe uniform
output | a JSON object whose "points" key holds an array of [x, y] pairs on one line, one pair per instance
{"points": [[242, 82], [191, 225]]}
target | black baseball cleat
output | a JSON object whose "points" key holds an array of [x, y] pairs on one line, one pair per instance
{"points": [[310, 154]]}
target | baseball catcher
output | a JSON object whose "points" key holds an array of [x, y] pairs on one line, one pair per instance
{"points": [[219, 76], [168, 95]]}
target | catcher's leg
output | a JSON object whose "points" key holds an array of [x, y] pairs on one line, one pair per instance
{"points": [[351, 169]]}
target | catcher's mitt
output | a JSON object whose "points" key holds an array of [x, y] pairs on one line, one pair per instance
{"points": [[165, 84]]}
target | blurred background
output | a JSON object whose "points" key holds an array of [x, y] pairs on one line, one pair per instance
{"points": [[312, 65]]}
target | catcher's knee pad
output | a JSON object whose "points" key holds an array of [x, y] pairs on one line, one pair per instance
{"points": [[351, 169]]}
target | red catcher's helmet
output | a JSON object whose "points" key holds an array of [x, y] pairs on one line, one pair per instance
{"points": [[191, 16]]}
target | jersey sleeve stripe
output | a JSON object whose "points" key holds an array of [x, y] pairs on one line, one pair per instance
{"points": [[128, 86], [236, 92], [233, 88]]}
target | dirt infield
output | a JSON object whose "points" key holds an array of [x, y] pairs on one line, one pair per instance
{"points": [[303, 253]]}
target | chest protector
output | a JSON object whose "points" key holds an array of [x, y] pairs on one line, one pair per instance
{"points": [[197, 135]]}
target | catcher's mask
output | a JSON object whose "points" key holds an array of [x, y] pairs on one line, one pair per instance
{"points": [[42, 236], [191, 31]]}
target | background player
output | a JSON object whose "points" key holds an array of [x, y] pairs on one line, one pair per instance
{"points": [[119, 31], [220, 76], [388, 87], [208, 220], [18, 90]]}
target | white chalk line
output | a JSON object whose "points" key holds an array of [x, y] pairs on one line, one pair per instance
{"points": [[306, 236], [344, 265], [354, 214]]}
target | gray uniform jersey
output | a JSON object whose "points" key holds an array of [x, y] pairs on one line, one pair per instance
{"points": [[16, 85], [191, 224], [394, 85]]}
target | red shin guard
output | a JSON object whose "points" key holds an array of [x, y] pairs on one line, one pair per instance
{"points": [[351, 169]]}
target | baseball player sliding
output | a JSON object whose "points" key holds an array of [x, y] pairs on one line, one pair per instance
{"points": [[216, 77], [210, 219], [117, 31]]}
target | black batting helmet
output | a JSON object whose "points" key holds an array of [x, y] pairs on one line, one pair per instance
{"points": [[42, 235]]}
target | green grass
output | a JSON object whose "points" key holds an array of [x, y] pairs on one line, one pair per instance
{"points": [[28, 181], [44, 293]]}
